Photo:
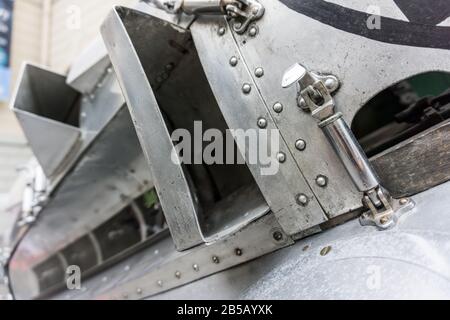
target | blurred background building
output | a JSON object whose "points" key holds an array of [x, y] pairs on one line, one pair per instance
{"points": [[48, 32]]}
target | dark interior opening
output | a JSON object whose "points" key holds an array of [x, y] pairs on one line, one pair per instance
{"points": [[173, 68], [402, 111]]}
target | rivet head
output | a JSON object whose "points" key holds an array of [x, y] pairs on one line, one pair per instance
{"points": [[160, 283], [302, 103], [233, 61], [216, 259], [169, 67], [278, 235], [404, 201], [238, 252], [262, 123], [302, 199], [221, 31], [246, 88], [300, 144], [325, 251], [178, 274], [278, 107], [252, 31], [196, 267], [259, 72], [331, 83], [139, 291], [322, 181], [281, 157]]}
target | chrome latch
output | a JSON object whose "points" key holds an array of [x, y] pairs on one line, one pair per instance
{"points": [[243, 12], [315, 96]]}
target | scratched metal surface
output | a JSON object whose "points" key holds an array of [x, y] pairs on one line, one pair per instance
{"points": [[411, 261]]}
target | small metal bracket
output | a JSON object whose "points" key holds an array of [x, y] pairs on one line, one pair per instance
{"points": [[388, 217], [243, 12]]}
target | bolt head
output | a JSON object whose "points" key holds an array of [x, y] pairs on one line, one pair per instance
{"points": [[262, 123], [246, 88], [216, 259], [281, 157], [221, 31], [278, 107], [302, 200], [404, 201], [322, 181], [238, 252], [253, 31], [300, 145], [259, 72], [234, 61]]}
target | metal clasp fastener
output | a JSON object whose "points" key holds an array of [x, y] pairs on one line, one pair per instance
{"points": [[243, 12], [315, 96]]}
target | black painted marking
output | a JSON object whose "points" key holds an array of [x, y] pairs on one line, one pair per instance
{"points": [[392, 31], [430, 12]]}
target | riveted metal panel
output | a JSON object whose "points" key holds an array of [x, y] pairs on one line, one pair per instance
{"points": [[363, 66], [242, 111]]}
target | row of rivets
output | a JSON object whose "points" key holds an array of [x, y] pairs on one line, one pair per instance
{"points": [[300, 144]]}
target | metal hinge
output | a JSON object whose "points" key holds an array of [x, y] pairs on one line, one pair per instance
{"points": [[242, 12], [315, 96]]}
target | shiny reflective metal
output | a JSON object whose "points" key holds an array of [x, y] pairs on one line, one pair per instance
{"points": [[320, 103], [243, 12], [136, 74]]}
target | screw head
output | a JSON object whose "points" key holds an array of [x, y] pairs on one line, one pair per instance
{"points": [[253, 31], [300, 144], [278, 236], [233, 61], [322, 181], [221, 31], [325, 251], [259, 72], [281, 157], [196, 267], [278, 107], [246, 88], [238, 252], [262, 123], [384, 220], [302, 103], [302, 199], [216, 259]]}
